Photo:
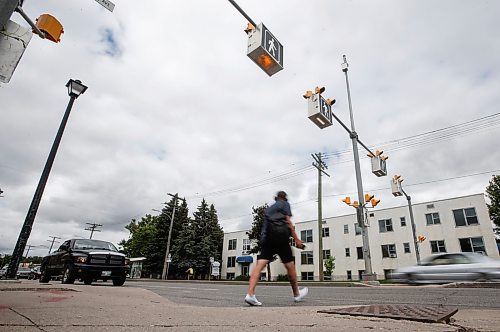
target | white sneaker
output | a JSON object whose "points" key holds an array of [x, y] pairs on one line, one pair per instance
{"points": [[252, 300], [302, 293]]}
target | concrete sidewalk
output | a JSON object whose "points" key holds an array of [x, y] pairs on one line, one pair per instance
{"points": [[29, 306]]}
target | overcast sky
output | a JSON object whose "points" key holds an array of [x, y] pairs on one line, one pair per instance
{"points": [[174, 105]]}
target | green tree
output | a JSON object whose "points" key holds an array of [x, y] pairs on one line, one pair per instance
{"points": [[329, 266], [149, 237], [139, 243], [199, 239], [258, 214], [493, 193]]}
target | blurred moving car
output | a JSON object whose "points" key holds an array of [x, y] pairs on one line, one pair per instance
{"points": [[87, 260], [452, 267], [35, 273], [23, 272]]}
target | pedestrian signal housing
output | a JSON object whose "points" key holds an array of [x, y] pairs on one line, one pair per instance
{"points": [[264, 49]]}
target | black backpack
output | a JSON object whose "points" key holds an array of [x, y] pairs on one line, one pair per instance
{"points": [[278, 230]]}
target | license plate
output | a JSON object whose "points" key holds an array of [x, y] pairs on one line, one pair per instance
{"points": [[105, 273]]}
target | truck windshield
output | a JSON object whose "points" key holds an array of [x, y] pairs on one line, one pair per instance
{"points": [[94, 245]]}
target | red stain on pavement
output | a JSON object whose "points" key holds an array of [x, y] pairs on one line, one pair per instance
{"points": [[3, 306], [56, 299]]}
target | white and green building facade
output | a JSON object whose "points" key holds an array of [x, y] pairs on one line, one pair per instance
{"points": [[460, 224]]}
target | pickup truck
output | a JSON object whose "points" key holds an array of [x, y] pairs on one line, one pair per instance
{"points": [[86, 260]]}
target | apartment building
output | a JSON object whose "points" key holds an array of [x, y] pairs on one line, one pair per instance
{"points": [[459, 224]]}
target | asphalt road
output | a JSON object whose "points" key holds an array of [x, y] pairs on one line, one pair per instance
{"points": [[223, 295]]}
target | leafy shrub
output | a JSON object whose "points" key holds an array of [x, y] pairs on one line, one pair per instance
{"points": [[282, 277], [242, 278]]}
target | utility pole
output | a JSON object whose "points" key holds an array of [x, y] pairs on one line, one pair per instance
{"points": [[166, 262], [52, 242], [29, 246], [320, 166], [93, 228]]}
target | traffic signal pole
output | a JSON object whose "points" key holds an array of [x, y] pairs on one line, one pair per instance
{"points": [[368, 274], [413, 227]]}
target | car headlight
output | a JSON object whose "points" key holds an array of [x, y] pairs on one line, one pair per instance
{"points": [[81, 259]]}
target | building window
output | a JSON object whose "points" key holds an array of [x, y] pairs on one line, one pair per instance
{"points": [[326, 231], [357, 229], [437, 246], [465, 217], [387, 274], [263, 276], [231, 261], [292, 242], [230, 276], [306, 236], [346, 229], [326, 253], [246, 245], [359, 251], [360, 274], [347, 252], [432, 218], [406, 247], [385, 225], [389, 251], [349, 275], [306, 258], [403, 221], [232, 244], [472, 244], [307, 275]]}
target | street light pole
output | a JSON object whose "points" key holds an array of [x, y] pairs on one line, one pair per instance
{"points": [[368, 274], [166, 262], [75, 89]]}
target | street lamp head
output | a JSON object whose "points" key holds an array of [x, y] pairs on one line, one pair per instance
{"points": [[75, 88]]}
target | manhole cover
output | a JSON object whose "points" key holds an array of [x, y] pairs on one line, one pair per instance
{"points": [[428, 314]]}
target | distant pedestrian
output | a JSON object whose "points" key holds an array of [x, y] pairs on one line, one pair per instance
{"points": [[190, 273], [275, 239]]}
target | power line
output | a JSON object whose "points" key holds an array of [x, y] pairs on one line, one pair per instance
{"points": [[297, 204]]}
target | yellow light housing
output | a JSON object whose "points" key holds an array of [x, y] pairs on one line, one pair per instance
{"points": [[50, 26]]}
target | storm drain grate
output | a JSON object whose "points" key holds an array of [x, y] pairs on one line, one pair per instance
{"points": [[428, 314]]}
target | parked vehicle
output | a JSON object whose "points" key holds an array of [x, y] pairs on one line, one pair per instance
{"points": [[23, 272], [86, 260], [3, 271], [450, 267], [35, 273]]}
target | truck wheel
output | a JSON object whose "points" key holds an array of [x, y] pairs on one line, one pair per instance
{"points": [[44, 276], [119, 281], [68, 276]]}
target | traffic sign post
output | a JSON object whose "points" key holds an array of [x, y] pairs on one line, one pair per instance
{"points": [[265, 50]]}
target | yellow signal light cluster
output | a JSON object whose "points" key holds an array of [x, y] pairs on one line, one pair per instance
{"points": [[378, 154], [421, 238], [398, 178], [368, 199]]}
